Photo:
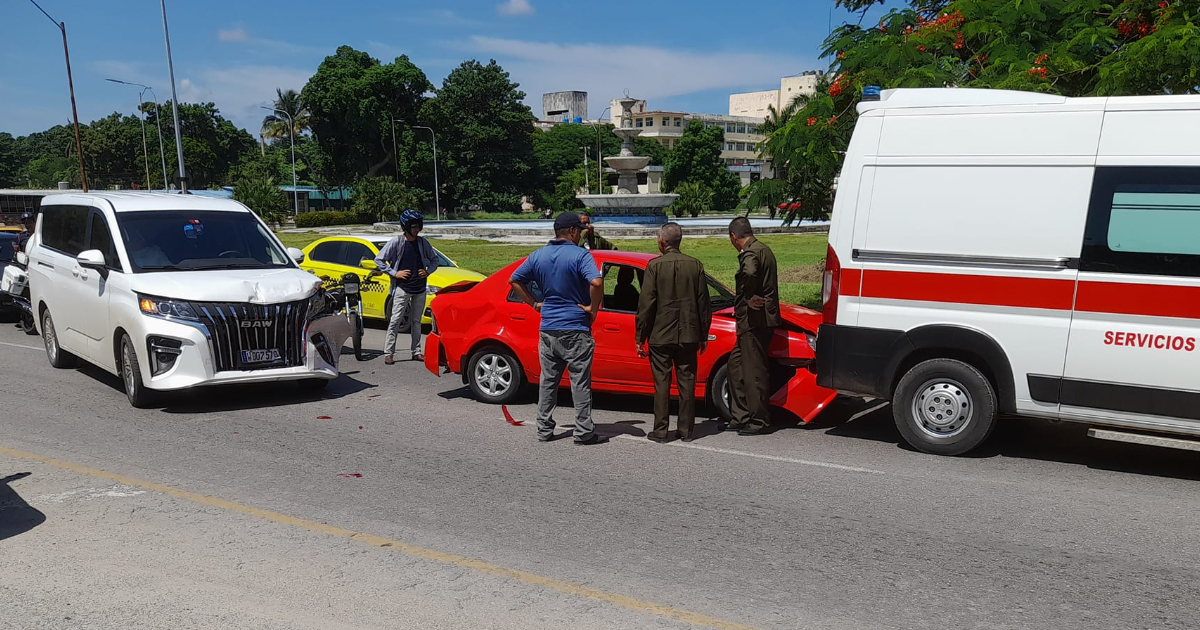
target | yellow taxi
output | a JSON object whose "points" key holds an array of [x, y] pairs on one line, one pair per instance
{"points": [[333, 256]]}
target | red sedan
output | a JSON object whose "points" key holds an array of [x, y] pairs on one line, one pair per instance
{"points": [[482, 331]]}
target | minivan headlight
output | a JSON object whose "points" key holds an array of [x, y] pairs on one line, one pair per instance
{"points": [[170, 309]]}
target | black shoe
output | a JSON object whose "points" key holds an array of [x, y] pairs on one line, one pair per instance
{"points": [[752, 431], [730, 427], [659, 440], [685, 438], [594, 439]]}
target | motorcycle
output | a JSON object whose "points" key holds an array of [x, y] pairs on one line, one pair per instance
{"points": [[343, 295], [14, 289]]}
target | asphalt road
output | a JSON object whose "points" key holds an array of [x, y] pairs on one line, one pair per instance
{"points": [[242, 508]]}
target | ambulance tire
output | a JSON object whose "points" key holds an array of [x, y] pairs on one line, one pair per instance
{"points": [[945, 407]]}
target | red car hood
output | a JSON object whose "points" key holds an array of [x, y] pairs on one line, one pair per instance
{"points": [[799, 317]]}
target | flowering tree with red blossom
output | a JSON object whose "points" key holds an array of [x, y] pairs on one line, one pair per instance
{"points": [[1068, 47]]}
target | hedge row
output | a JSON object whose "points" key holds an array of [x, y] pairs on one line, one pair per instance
{"points": [[322, 218]]}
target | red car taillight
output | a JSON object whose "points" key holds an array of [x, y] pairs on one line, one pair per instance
{"points": [[830, 286]]}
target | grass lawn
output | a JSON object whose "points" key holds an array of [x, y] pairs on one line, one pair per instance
{"points": [[799, 258]]}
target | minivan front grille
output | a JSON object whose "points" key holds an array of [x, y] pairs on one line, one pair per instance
{"points": [[236, 328]]}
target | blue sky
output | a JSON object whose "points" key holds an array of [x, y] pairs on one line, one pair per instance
{"points": [[679, 54]]}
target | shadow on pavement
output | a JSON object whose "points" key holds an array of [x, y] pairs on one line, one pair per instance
{"points": [[16, 516], [1023, 438]]}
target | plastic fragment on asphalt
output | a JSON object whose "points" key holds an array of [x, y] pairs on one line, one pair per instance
{"points": [[508, 417], [351, 475], [324, 418]]}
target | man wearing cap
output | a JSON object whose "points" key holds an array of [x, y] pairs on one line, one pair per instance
{"points": [[591, 240], [571, 291]]}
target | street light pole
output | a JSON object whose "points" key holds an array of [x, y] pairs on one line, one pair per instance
{"points": [[62, 26], [174, 101], [436, 195], [600, 152], [157, 120], [292, 136], [586, 178], [141, 119], [395, 152]]}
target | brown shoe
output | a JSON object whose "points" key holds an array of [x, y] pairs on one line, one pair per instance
{"points": [[388, 360]]}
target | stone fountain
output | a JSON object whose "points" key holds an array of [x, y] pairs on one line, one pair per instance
{"points": [[627, 205]]}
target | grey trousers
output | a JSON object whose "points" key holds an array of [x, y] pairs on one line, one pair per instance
{"points": [[404, 304], [571, 350]]}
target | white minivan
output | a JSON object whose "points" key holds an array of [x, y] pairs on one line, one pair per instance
{"points": [[1001, 253], [176, 291]]}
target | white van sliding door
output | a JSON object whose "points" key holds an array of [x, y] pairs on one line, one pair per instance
{"points": [[1134, 349]]}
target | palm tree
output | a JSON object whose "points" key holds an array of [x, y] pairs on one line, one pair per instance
{"points": [[275, 125]]}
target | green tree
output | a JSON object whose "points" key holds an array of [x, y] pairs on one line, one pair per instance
{"points": [[382, 198], [697, 158], [212, 145], [9, 161], [694, 198], [648, 147], [262, 196], [1073, 48], [352, 100], [568, 185], [485, 138], [560, 149], [278, 126]]}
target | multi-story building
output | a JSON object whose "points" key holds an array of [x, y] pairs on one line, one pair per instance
{"points": [[564, 106], [741, 133], [757, 104]]}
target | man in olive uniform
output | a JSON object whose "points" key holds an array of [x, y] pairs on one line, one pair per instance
{"points": [[673, 316], [756, 307], [592, 240]]}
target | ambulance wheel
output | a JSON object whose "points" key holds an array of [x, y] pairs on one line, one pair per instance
{"points": [[944, 407]]}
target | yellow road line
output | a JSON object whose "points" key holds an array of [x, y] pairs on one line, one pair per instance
{"points": [[570, 588]]}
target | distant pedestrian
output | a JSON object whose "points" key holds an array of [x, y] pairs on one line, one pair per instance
{"points": [[409, 259], [673, 318], [756, 308], [572, 290], [591, 240], [28, 221]]}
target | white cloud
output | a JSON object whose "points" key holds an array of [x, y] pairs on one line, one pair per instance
{"points": [[240, 91], [605, 72], [515, 7], [237, 34]]}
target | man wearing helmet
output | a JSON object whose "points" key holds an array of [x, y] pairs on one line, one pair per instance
{"points": [[408, 259]]}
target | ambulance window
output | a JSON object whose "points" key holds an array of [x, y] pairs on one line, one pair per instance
{"points": [[1144, 220], [1155, 221]]}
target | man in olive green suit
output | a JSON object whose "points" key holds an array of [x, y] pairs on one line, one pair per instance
{"points": [[673, 318], [756, 308]]}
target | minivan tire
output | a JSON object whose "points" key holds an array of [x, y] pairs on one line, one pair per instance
{"points": [[944, 407], [140, 397], [59, 358]]}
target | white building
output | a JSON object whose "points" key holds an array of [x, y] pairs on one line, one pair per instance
{"points": [[756, 104]]}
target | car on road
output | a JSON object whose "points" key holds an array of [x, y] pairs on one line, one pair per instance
{"points": [[176, 291], [482, 331], [334, 256]]}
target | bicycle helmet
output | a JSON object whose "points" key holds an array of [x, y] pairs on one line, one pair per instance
{"points": [[411, 218]]}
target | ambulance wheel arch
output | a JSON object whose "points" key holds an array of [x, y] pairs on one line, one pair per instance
{"points": [[958, 343]]}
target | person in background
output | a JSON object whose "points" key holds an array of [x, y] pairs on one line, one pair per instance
{"points": [[409, 259], [673, 318], [572, 290], [28, 221], [591, 240], [756, 308]]}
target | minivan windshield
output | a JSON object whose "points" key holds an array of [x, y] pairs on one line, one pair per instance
{"points": [[191, 240]]}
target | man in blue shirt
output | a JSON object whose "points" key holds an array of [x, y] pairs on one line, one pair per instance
{"points": [[572, 290], [408, 259]]}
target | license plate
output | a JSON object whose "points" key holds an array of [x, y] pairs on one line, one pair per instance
{"points": [[259, 356]]}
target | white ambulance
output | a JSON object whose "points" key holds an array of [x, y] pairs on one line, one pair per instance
{"points": [[999, 253]]}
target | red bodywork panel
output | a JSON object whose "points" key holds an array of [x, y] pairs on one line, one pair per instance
{"points": [[468, 316]]}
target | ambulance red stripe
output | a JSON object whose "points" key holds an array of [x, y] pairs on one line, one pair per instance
{"points": [[1122, 298]]}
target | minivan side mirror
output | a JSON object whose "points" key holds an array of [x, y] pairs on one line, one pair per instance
{"points": [[93, 259], [23, 258], [296, 255]]}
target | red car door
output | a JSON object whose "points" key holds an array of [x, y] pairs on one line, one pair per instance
{"points": [[616, 363]]}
